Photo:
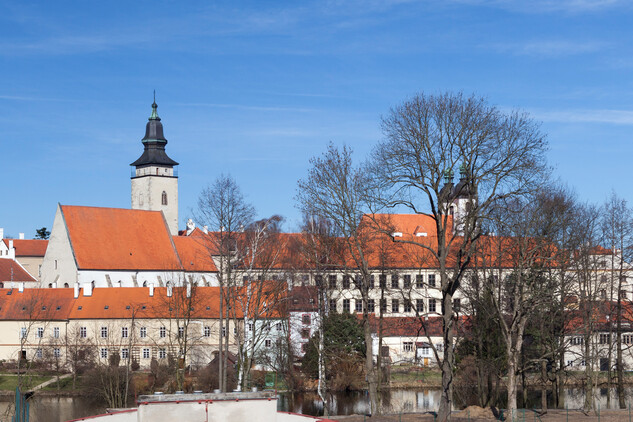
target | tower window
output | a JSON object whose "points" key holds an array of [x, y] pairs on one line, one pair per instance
{"points": [[164, 198]]}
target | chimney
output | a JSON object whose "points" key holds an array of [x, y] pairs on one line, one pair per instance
{"points": [[88, 289], [10, 243], [1, 233], [76, 290], [21, 236], [205, 230], [151, 290], [21, 287]]}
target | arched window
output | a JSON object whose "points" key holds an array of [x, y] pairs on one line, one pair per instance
{"points": [[1, 285], [66, 285], [145, 283], [50, 285], [164, 198]]}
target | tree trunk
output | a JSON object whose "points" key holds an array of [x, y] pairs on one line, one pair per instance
{"points": [[446, 396], [588, 405], [544, 386], [371, 370], [512, 385]]}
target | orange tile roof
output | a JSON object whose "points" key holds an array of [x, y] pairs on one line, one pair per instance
{"points": [[128, 302], [28, 247], [35, 304], [195, 253], [120, 239], [12, 271]]}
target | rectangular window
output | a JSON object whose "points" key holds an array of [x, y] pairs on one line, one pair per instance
{"points": [[305, 333], [104, 353], [395, 282], [605, 338], [382, 280], [426, 351], [346, 305], [346, 282], [395, 305], [162, 353], [332, 281], [125, 353], [439, 348], [207, 331], [56, 332], [83, 332], [419, 281], [626, 338], [23, 332], [383, 306], [104, 332], [145, 353], [431, 305], [268, 343], [456, 305], [305, 319], [432, 280], [407, 346], [223, 331], [333, 305], [56, 352], [371, 305], [359, 305], [143, 332], [419, 305], [123, 332], [38, 353], [162, 332], [358, 281], [39, 333], [577, 340], [371, 282], [407, 305], [406, 281], [181, 332]]}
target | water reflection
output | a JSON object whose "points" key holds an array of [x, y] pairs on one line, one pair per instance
{"points": [[419, 401], [53, 409]]}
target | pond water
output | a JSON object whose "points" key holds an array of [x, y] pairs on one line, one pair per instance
{"points": [[61, 409]]}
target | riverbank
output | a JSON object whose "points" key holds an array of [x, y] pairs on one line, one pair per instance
{"points": [[528, 415]]}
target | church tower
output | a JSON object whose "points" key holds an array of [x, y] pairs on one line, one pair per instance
{"points": [[154, 176]]}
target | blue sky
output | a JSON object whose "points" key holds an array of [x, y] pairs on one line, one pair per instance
{"points": [[256, 88]]}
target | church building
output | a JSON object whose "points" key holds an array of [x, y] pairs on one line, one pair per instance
{"points": [[114, 247]]}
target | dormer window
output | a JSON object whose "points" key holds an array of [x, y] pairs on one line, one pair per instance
{"points": [[164, 198]]}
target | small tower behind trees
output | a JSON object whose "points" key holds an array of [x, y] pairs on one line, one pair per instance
{"points": [[154, 177]]}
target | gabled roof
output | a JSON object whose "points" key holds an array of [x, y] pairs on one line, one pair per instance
{"points": [[12, 271], [120, 239], [28, 247]]}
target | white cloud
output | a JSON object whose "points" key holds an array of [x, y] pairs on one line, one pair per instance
{"points": [[617, 117], [550, 48]]}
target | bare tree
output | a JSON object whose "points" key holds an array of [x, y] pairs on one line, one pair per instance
{"points": [[223, 208], [334, 190], [617, 232], [500, 156], [524, 247]]}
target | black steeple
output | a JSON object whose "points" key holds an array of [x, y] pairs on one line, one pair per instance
{"points": [[154, 143]]}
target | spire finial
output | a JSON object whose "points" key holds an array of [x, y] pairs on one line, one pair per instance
{"points": [[154, 115]]}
